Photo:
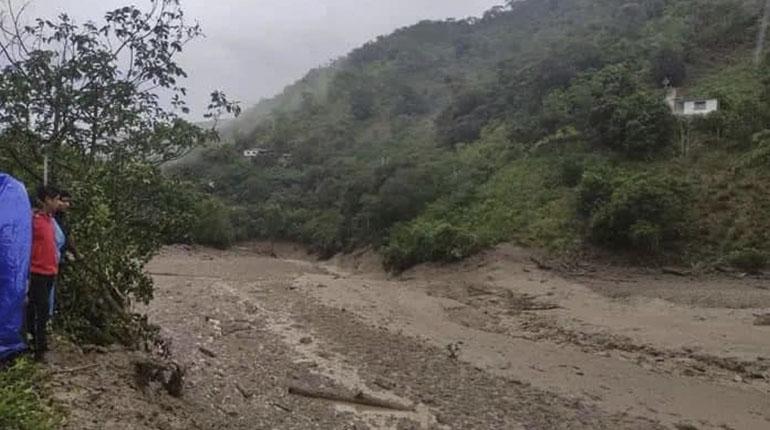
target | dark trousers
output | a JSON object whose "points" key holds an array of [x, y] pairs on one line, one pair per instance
{"points": [[38, 310]]}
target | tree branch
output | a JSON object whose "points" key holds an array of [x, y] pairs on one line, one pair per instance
{"points": [[15, 18], [132, 37], [17, 159]]}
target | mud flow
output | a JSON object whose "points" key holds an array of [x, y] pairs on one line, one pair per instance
{"points": [[287, 342]]}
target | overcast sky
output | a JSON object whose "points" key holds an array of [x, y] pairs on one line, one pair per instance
{"points": [[253, 48]]}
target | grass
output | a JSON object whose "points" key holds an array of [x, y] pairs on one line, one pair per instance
{"points": [[23, 402]]}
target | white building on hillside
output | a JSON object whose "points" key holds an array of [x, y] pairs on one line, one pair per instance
{"points": [[690, 107], [254, 152]]}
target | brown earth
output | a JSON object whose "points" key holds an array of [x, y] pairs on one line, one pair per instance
{"points": [[492, 343]]}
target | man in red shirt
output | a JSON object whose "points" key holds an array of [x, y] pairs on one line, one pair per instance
{"points": [[43, 267]]}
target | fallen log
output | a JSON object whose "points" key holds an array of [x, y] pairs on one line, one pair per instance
{"points": [[359, 398], [676, 272], [207, 352], [281, 407]]}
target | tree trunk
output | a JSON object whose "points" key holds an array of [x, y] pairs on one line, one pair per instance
{"points": [[761, 35]]}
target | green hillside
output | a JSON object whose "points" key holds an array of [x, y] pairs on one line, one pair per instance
{"points": [[542, 122]]}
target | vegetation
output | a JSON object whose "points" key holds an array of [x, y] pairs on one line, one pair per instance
{"points": [[86, 97], [542, 122], [645, 212], [22, 406]]}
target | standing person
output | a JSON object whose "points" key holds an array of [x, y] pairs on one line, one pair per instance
{"points": [[61, 219], [43, 267], [63, 244]]}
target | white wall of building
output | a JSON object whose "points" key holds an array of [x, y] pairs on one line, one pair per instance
{"points": [[700, 107]]}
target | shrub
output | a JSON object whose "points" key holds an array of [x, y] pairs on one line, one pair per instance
{"points": [[759, 155], [646, 236], [212, 225], [322, 232], [421, 241], [119, 221], [595, 189], [570, 172], [640, 126], [748, 259], [644, 212]]}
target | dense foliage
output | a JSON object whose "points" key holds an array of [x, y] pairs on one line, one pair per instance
{"points": [[542, 122], [87, 97]]}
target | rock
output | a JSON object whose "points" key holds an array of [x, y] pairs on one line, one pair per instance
{"points": [[169, 375], [306, 340], [738, 379], [762, 320]]}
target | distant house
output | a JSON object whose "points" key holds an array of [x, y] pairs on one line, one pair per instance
{"points": [[690, 106], [254, 152], [696, 107]]}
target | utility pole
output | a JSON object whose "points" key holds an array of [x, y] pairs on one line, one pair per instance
{"points": [[761, 35], [45, 169]]}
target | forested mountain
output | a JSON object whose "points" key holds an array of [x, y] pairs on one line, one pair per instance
{"points": [[542, 122]]}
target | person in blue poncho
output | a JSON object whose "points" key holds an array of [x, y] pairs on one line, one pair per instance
{"points": [[15, 250]]}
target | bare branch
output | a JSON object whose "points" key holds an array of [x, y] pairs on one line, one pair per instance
{"points": [[10, 58], [15, 19]]}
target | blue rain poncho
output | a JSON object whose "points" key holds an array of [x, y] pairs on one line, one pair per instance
{"points": [[15, 248]]}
